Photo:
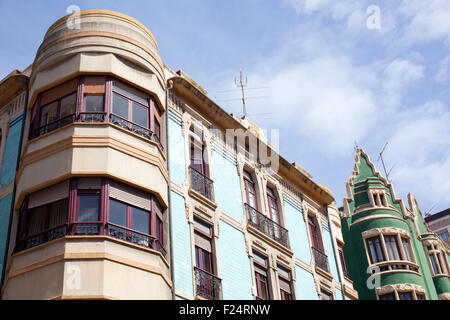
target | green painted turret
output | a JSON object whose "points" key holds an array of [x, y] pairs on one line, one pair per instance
{"points": [[387, 246]]}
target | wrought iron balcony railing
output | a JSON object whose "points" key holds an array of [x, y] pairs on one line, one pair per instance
{"points": [[133, 127], [92, 117], [53, 126], [267, 226], [34, 240], [90, 228], [201, 183], [321, 260], [207, 285]]}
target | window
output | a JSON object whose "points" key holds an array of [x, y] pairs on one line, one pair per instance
{"points": [[131, 106], [284, 278], [250, 190], [124, 212], [314, 233], [261, 277], [326, 295], [405, 295], [203, 248], [392, 247], [57, 113], [197, 152], [273, 206], [342, 259], [443, 235], [389, 296], [89, 207], [376, 253], [128, 216], [407, 249], [437, 258], [420, 296]]}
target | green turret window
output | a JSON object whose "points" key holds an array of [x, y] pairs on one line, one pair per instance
{"points": [[375, 251], [392, 247]]}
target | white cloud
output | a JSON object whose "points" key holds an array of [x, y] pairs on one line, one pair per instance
{"points": [[420, 149], [427, 20], [399, 74], [443, 74]]}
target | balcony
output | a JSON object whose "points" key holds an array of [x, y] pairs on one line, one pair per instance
{"points": [[95, 117], [207, 285], [267, 226], [90, 229], [201, 183], [321, 260]]}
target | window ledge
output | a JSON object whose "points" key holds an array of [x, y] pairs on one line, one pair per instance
{"points": [[201, 198]]}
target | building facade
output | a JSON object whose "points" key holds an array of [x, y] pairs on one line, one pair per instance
{"points": [[439, 223], [390, 252], [12, 105], [129, 188], [240, 229]]}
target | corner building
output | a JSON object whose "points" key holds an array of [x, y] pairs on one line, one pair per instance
{"points": [[90, 217], [391, 253], [126, 186]]}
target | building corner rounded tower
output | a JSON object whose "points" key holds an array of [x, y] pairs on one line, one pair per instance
{"points": [[91, 218], [390, 252]]}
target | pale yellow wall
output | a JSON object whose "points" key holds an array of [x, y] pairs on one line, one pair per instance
{"points": [[86, 267]]}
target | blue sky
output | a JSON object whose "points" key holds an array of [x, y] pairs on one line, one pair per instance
{"points": [[328, 79]]}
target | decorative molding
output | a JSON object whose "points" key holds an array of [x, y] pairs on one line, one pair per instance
{"points": [[385, 231], [269, 241], [324, 273], [377, 216], [444, 296], [399, 287], [352, 293], [202, 199]]}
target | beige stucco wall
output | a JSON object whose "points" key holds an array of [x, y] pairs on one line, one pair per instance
{"points": [[82, 267], [103, 42], [105, 150]]}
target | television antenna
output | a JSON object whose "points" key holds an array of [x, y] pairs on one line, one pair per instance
{"points": [[242, 84], [382, 161]]}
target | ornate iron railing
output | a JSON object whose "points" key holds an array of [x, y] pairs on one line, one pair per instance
{"points": [[50, 234], [201, 183], [53, 126], [267, 226], [158, 141], [133, 127], [92, 117], [207, 285], [129, 235], [160, 247], [321, 260], [85, 228]]}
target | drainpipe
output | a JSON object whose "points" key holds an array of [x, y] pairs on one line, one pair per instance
{"points": [[172, 271], [11, 214]]}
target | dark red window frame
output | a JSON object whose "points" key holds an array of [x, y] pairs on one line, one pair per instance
{"points": [[250, 189], [273, 206], [314, 233], [80, 106], [73, 206], [203, 258], [262, 279], [286, 295], [342, 259]]}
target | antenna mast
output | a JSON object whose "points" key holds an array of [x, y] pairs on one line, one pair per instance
{"points": [[382, 161], [242, 83]]}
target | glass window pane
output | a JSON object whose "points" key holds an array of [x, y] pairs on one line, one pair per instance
{"points": [[94, 103], [259, 259], [157, 129], [117, 213], [36, 220], [202, 227], [389, 296], [407, 248], [130, 93], [68, 105], [140, 220], [140, 115], [120, 106], [405, 295], [49, 113], [58, 212], [284, 273], [433, 263], [89, 207]]}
